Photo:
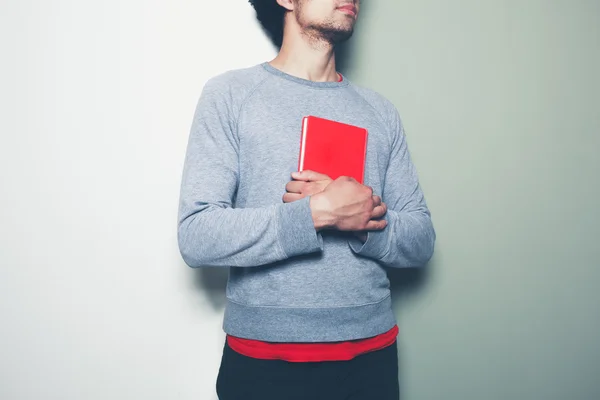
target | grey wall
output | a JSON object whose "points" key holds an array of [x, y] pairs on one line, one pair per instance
{"points": [[501, 104]]}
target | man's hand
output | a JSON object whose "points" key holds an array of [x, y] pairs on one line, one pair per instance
{"points": [[305, 183], [346, 205]]}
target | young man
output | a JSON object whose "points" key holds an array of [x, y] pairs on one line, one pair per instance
{"points": [[309, 311]]}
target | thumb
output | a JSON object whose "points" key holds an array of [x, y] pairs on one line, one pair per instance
{"points": [[308, 175]]}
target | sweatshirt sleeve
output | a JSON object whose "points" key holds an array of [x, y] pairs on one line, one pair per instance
{"points": [[211, 232], [409, 237]]}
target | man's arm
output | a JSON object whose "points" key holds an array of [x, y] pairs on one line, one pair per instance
{"points": [[210, 231], [408, 240]]}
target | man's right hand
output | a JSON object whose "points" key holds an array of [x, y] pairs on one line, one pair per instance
{"points": [[347, 205]]}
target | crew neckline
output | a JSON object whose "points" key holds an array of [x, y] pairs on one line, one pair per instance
{"points": [[306, 82]]}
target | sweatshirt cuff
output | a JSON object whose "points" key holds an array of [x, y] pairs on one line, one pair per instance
{"points": [[297, 233], [377, 244]]}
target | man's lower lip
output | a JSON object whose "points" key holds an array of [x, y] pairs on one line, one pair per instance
{"points": [[350, 12]]}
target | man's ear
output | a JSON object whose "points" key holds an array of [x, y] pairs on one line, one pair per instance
{"points": [[287, 4]]}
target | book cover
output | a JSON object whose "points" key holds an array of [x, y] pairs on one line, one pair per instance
{"points": [[332, 148]]}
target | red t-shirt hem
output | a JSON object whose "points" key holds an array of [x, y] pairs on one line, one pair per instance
{"points": [[312, 352]]}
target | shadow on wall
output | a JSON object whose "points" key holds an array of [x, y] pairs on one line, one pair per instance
{"points": [[212, 281]]}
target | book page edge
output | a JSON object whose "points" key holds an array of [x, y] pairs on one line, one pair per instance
{"points": [[303, 143]]}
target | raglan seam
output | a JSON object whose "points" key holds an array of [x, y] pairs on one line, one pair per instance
{"points": [[246, 99], [385, 121]]}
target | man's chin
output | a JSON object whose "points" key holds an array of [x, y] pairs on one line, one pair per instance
{"points": [[338, 36]]}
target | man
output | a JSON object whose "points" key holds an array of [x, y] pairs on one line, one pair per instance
{"points": [[309, 312]]}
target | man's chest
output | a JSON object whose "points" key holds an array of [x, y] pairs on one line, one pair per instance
{"points": [[269, 147]]}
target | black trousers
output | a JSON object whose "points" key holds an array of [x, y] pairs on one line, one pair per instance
{"points": [[370, 376]]}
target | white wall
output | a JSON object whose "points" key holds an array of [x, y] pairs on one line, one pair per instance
{"points": [[96, 102]]}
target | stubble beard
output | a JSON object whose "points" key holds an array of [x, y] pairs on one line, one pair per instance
{"points": [[326, 32]]}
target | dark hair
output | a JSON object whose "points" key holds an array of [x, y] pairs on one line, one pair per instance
{"points": [[270, 15]]}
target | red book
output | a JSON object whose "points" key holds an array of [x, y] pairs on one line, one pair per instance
{"points": [[332, 148]]}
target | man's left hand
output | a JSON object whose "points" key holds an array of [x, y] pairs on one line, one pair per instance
{"points": [[305, 183]]}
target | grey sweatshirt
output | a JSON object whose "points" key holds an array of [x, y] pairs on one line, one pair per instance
{"points": [[288, 282]]}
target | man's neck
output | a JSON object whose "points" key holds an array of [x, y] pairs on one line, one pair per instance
{"points": [[306, 58]]}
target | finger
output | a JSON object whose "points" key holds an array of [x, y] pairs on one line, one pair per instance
{"points": [[379, 211], [291, 197], [376, 201], [294, 186], [323, 185], [308, 175], [376, 225]]}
